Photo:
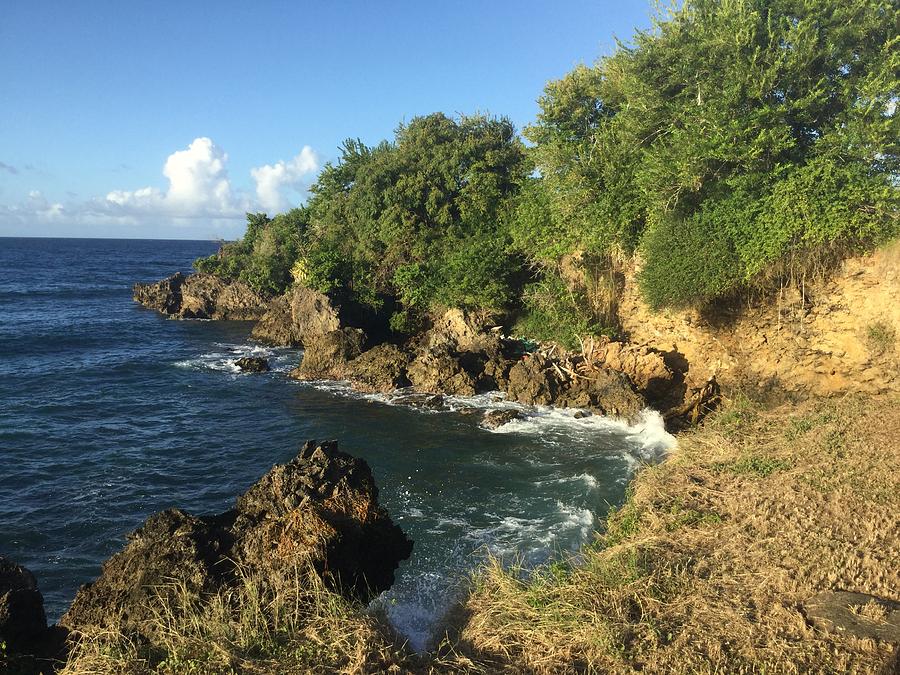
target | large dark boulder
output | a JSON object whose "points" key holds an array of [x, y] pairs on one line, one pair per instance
{"points": [[293, 319], [22, 618], [320, 509], [326, 356], [31, 647], [381, 369], [201, 296]]}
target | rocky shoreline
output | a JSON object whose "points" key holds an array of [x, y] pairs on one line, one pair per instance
{"points": [[460, 354], [318, 512]]}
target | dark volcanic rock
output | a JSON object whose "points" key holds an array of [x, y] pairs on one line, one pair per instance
{"points": [[201, 296], [22, 619], [381, 369], [494, 419], [327, 355], [30, 646], [292, 319], [253, 364], [320, 509]]}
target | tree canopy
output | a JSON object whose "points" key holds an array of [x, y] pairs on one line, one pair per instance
{"points": [[728, 142]]}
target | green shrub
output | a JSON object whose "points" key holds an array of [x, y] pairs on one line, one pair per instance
{"points": [[554, 312], [880, 338]]}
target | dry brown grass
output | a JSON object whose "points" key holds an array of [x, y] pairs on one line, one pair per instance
{"points": [[706, 567], [303, 628]]}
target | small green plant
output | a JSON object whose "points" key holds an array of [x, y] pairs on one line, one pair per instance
{"points": [[755, 465], [687, 517], [880, 338], [740, 412], [622, 523], [802, 425]]}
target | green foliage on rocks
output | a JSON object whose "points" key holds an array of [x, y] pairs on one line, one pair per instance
{"points": [[264, 258], [734, 143], [726, 139]]}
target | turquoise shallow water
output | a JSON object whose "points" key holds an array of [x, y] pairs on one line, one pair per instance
{"points": [[110, 412]]}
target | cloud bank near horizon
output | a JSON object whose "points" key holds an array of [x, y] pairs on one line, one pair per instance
{"points": [[199, 194]]}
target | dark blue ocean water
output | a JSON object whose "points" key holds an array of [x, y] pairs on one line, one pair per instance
{"points": [[110, 412]]}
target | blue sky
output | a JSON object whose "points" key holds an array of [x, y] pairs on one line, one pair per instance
{"points": [[170, 119]]}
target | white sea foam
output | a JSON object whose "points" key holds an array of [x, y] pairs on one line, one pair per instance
{"points": [[226, 355], [589, 481], [647, 439]]}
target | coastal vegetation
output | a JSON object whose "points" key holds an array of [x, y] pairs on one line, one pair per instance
{"points": [[733, 146], [737, 147]]}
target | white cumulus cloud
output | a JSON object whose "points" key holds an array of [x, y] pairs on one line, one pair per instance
{"points": [[198, 185], [272, 180], [199, 199]]}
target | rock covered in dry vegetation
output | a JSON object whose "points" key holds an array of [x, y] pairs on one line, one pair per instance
{"points": [[767, 542], [320, 510], [201, 296]]}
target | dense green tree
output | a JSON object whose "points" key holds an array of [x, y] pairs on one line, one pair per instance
{"points": [[732, 135], [265, 256], [420, 218], [733, 143]]}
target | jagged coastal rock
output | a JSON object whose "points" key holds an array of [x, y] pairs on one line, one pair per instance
{"points": [[253, 364], [321, 509], [201, 296], [328, 355], [460, 355], [380, 369], [292, 319]]}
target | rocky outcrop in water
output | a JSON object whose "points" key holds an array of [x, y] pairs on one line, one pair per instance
{"points": [[319, 509], [458, 356], [381, 369], [201, 296], [253, 364], [440, 371], [295, 318], [494, 419]]}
